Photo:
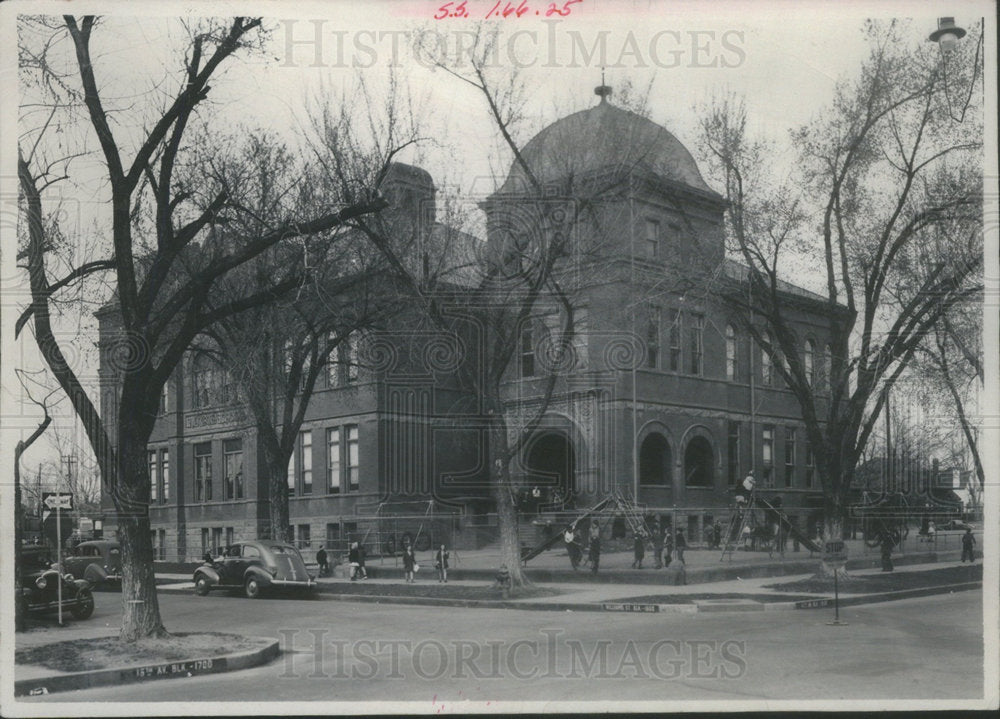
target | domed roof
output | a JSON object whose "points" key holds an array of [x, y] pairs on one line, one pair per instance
{"points": [[600, 138]]}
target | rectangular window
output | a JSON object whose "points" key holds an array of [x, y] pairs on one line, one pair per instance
{"points": [[696, 339], [353, 459], [352, 355], [332, 534], [203, 472], [303, 536], [789, 456], [767, 452], [154, 477], [216, 540], [230, 537], [810, 464], [161, 544], [527, 351], [333, 478], [305, 444], [233, 449], [653, 339], [165, 475], [652, 239], [733, 452], [292, 471], [205, 546], [163, 399], [675, 340]]}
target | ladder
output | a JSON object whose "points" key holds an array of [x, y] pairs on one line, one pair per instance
{"points": [[626, 506], [739, 519]]}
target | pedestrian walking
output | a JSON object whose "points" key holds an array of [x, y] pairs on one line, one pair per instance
{"points": [[441, 564], [657, 545], [638, 550], [362, 556], [968, 543], [321, 560], [885, 546], [680, 544], [595, 551], [409, 563], [572, 546], [354, 561]]}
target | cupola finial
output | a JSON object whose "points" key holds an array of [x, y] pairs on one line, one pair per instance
{"points": [[602, 90]]}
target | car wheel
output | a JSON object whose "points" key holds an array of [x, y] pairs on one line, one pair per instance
{"points": [[252, 587], [84, 604], [201, 586]]}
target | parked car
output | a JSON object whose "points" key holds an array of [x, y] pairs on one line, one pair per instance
{"points": [[952, 524], [254, 566], [98, 561], [40, 581]]}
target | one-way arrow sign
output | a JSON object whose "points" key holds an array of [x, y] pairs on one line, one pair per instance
{"points": [[55, 500]]}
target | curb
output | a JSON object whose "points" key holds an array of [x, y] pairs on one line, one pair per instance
{"points": [[147, 672], [884, 596]]}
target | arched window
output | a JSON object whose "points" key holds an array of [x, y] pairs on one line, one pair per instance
{"points": [[698, 463], [807, 361], [654, 461], [730, 353], [766, 366], [827, 368], [203, 381]]}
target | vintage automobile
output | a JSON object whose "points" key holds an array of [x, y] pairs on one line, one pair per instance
{"points": [[254, 566], [98, 561], [40, 586]]}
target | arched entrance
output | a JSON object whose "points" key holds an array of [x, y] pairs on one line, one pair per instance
{"points": [[698, 463], [549, 463], [654, 461]]}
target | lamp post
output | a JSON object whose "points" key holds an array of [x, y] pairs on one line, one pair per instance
{"points": [[947, 36]]}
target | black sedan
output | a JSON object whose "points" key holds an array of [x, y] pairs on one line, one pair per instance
{"points": [[254, 566]]}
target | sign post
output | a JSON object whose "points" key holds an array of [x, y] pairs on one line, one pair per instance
{"points": [[835, 557], [58, 502]]}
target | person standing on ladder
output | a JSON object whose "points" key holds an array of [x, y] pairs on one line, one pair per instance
{"points": [[744, 493]]}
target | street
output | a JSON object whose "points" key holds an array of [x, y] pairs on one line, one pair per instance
{"points": [[927, 648]]}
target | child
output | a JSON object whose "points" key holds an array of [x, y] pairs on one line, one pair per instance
{"points": [[503, 581], [441, 563], [639, 549], [409, 563]]}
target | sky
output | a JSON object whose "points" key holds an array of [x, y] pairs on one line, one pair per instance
{"points": [[784, 57]]}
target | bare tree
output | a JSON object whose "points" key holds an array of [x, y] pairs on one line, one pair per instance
{"points": [[889, 199], [162, 272]]}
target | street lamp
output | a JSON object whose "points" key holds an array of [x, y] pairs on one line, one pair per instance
{"points": [[947, 35]]}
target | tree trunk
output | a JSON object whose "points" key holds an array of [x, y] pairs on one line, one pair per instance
{"points": [[276, 467], [140, 606], [503, 494]]}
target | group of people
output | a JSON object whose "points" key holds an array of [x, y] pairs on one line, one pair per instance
{"points": [[665, 545], [356, 559]]}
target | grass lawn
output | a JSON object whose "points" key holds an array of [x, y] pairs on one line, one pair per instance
{"points": [[888, 581], [81, 655], [432, 589], [691, 598]]}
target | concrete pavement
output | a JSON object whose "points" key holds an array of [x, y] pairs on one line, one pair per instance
{"points": [[348, 658]]}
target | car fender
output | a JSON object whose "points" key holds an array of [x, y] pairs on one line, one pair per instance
{"points": [[209, 573], [260, 573], [95, 574], [81, 584]]}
